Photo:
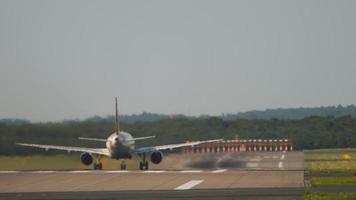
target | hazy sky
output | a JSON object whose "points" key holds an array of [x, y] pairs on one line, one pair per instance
{"points": [[69, 59]]}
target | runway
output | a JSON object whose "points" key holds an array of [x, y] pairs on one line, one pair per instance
{"points": [[251, 174]]}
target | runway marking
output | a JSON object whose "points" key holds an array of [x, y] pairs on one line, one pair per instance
{"points": [[8, 172], [188, 185], [275, 156], [282, 157], [43, 172], [255, 160], [219, 171], [252, 165], [153, 171], [280, 165], [191, 171], [266, 156], [116, 171], [81, 171]]}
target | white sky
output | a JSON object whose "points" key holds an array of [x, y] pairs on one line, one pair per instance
{"points": [[69, 59]]}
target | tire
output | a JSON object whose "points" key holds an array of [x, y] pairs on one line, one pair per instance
{"points": [[146, 165], [141, 166], [98, 166]]}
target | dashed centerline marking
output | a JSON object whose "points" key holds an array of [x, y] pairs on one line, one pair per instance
{"points": [[280, 165], [153, 171], [282, 157], [81, 171], [219, 171], [43, 172], [9, 172], [266, 156], [188, 185], [191, 171], [116, 171]]}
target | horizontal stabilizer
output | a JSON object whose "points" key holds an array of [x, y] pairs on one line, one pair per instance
{"points": [[92, 139], [141, 138]]}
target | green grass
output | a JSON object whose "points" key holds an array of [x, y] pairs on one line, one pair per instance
{"points": [[330, 161], [328, 156], [333, 181], [340, 196], [331, 166], [336, 150], [57, 162]]}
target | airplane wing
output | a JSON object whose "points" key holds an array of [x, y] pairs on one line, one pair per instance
{"points": [[171, 146], [102, 151], [92, 139], [104, 140], [141, 138]]}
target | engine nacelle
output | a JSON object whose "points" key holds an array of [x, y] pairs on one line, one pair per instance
{"points": [[86, 158], [156, 157]]}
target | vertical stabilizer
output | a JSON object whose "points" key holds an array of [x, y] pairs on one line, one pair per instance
{"points": [[117, 126]]}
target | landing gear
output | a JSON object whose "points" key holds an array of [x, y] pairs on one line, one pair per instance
{"points": [[98, 165], [144, 163], [123, 165]]}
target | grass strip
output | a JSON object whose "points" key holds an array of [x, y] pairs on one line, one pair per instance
{"points": [[332, 181]]}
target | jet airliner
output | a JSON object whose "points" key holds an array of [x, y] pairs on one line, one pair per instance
{"points": [[120, 146]]}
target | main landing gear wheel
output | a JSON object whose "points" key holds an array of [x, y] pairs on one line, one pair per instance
{"points": [[123, 165], [144, 165], [98, 166]]}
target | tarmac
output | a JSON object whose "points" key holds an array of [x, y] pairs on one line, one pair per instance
{"points": [[245, 175]]}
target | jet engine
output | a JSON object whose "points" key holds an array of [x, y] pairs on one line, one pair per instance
{"points": [[156, 157], [86, 158]]}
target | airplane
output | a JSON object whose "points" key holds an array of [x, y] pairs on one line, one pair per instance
{"points": [[120, 145]]}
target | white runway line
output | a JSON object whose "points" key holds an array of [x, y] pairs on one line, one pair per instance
{"points": [[9, 172], [255, 160], [115, 171], [275, 156], [282, 157], [153, 171], [81, 171], [266, 156], [219, 171], [280, 165], [191, 171], [188, 185], [43, 172], [252, 165]]}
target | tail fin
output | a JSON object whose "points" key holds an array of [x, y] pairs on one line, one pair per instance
{"points": [[117, 126]]}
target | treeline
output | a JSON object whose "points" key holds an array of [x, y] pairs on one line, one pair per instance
{"points": [[294, 113], [307, 133], [279, 113]]}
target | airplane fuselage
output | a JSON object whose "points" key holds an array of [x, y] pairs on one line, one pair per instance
{"points": [[120, 146]]}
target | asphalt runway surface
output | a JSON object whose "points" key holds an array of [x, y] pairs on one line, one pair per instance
{"points": [[246, 175]]}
